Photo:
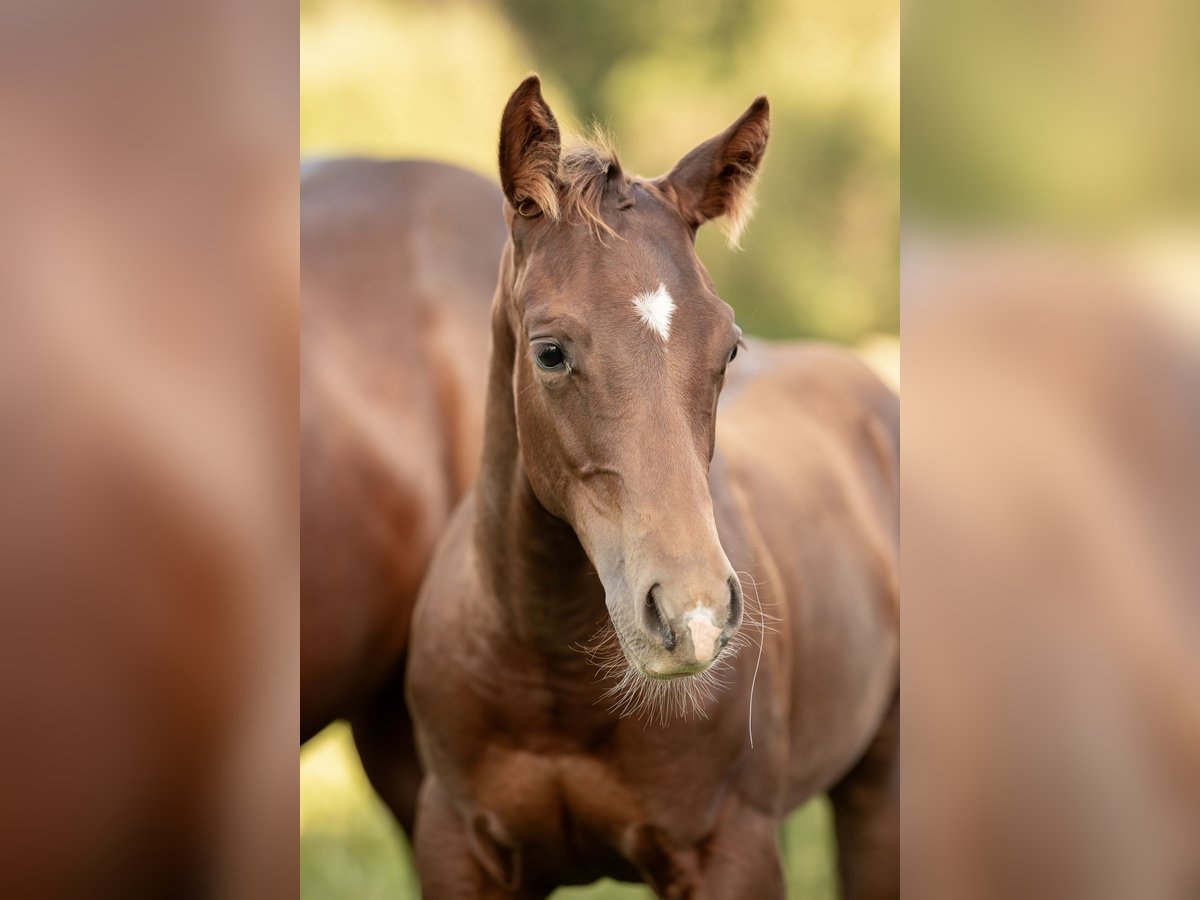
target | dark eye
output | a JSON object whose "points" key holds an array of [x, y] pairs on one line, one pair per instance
{"points": [[733, 353], [550, 357]]}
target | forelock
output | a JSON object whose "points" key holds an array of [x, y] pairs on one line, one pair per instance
{"points": [[586, 170]]}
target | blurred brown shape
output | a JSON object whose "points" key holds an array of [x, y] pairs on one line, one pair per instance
{"points": [[148, 624], [1051, 636], [399, 261]]}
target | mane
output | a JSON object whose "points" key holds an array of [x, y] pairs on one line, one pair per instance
{"points": [[585, 170]]}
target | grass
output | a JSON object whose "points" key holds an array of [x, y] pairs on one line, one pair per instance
{"points": [[352, 849]]}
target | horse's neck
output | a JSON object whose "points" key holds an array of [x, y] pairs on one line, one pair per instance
{"points": [[531, 561]]}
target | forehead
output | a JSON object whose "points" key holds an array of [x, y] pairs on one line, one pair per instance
{"points": [[647, 271]]}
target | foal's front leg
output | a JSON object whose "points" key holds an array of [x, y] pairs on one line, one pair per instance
{"points": [[740, 859], [450, 867]]}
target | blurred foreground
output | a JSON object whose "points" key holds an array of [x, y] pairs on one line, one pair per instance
{"points": [[148, 622], [1051, 464], [1051, 630]]}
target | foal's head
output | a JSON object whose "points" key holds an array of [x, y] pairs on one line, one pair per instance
{"points": [[621, 347]]}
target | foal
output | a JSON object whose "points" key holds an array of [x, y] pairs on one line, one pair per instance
{"points": [[600, 503]]}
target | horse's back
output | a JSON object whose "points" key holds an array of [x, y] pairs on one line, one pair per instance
{"points": [[433, 231], [809, 451], [816, 413], [399, 263]]}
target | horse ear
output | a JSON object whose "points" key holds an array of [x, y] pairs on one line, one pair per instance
{"points": [[530, 146], [716, 178]]}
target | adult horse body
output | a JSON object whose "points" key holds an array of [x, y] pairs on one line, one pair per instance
{"points": [[609, 353], [398, 264]]}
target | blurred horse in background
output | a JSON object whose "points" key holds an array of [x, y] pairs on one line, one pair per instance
{"points": [[398, 269]]}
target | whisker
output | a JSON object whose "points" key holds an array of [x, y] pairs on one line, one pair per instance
{"points": [[631, 694], [758, 662]]}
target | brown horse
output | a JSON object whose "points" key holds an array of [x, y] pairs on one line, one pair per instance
{"points": [[672, 751], [398, 267]]}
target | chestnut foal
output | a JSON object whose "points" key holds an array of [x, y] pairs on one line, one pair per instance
{"points": [[600, 503]]}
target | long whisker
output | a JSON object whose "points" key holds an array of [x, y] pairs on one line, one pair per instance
{"points": [[761, 640]]}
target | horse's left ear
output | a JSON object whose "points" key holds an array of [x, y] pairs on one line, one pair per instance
{"points": [[716, 178], [530, 146]]}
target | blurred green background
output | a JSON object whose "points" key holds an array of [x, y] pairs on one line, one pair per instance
{"points": [[417, 78], [430, 79], [1071, 117]]}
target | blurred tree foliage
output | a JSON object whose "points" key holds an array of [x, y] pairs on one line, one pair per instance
{"points": [[620, 29], [418, 78], [1070, 114]]}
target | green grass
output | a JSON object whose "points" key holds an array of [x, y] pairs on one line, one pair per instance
{"points": [[352, 849]]}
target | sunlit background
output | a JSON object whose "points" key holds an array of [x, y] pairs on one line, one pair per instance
{"points": [[1076, 116], [424, 79], [405, 78]]}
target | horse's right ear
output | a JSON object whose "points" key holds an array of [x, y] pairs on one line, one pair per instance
{"points": [[530, 146]]}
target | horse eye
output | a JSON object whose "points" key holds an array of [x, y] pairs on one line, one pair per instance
{"points": [[733, 353], [550, 357]]}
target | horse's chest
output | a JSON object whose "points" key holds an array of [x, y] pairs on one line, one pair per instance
{"points": [[565, 818], [567, 799]]}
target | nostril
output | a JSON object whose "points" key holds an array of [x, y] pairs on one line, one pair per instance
{"points": [[656, 620], [735, 608]]}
